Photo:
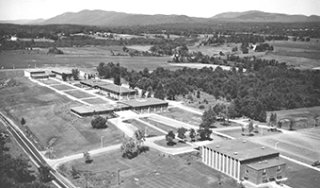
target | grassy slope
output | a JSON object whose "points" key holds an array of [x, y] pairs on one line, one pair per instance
{"points": [[48, 116], [150, 169]]}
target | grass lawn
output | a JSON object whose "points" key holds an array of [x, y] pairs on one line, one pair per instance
{"points": [[49, 118], [176, 144], [182, 115], [95, 101], [150, 169], [79, 94], [160, 125], [302, 177], [62, 87], [141, 126], [49, 82]]}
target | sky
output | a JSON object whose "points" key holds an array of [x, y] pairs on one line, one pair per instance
{"points": [[34, 9]]}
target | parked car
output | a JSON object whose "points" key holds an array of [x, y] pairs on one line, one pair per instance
{"points": [[316, 163]]}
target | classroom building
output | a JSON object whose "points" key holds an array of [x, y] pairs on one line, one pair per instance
{"points": [[147, 105], [244, 160]]}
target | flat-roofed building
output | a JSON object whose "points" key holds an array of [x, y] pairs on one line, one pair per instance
{"points": [[117, 92], [37, 74], [93, 83], [244, 160], [62, 71], [147, 105]]}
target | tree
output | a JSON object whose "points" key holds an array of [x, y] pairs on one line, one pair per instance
{"points": [[44, 172], [75, 74], [139, 136], [198, 94], [159, 92], [192, 135], [208, 118], [99, 122], [181, 133], [87, 157], [250, 127], [291, 125], [129, 148], [204, 133], [23, 121], [170, 137], [74, 173], [64, 76]]}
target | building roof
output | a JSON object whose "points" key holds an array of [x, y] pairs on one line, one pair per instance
{"points": [[259, 165], [144, 102], [116, 89], [242, 149], [61, 71], [90, 109], [93, 83]]}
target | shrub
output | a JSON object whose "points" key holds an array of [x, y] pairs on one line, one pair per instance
{"points": [[99, 123]]}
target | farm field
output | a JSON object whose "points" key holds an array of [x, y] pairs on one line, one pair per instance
{"points": [[303, 145], [149, 169], [50, 121], [84, 57], [303, 55]]}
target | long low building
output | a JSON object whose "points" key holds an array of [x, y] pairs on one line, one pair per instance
{"points": [[147, 105], [244, 160], [98, 109]]}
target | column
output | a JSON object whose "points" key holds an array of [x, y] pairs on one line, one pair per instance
{"points": [[202, 153], [234, 168], [238, 170], [227, 161], [223, 161]]}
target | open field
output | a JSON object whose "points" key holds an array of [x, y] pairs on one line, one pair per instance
{"points": [[162, 126], [150, 169], [304, 55], [182, 115], [84, 57], [303, 145], [79, 94], [62, 87], [305, 117], [301, 177], [49, 119], [142, 126]]}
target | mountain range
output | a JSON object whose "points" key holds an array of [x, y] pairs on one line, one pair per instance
{"points": [[112, 18]]}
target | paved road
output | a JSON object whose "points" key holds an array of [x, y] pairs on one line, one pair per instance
{"points": [[33, 153]]}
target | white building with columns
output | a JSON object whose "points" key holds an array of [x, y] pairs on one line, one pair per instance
{"points": [[244, 160]]}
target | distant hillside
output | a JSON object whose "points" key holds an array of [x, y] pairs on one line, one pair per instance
{"points": [[259, 16], [111, 18], [100, 17]]}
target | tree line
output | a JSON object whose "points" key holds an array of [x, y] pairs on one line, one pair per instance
{"points": [[266, 85]]}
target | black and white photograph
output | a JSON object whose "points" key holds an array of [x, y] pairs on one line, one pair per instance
{"points": [[159, 94]]}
